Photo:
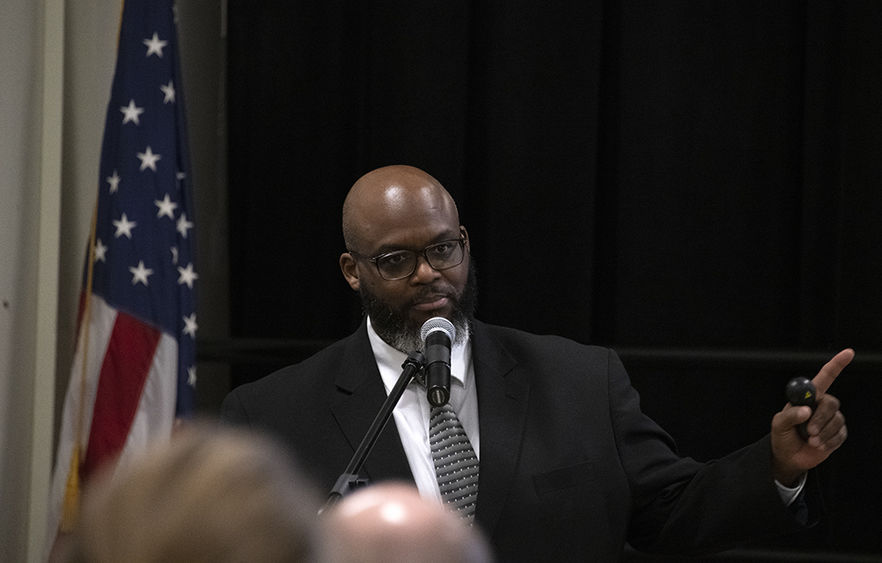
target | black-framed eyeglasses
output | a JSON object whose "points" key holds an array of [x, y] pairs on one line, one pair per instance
{"points": [[400, 264]]}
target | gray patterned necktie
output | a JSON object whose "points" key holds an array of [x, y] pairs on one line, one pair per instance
{"points": [[456, 465]]}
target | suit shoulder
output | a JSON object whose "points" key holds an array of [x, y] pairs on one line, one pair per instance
{"points": [[305, 376], [519, 339]]}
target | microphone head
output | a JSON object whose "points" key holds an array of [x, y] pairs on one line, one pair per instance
{"points": [[438, 324]]}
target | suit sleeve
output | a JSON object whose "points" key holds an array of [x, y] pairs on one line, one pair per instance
{"points": [[681, 505]]}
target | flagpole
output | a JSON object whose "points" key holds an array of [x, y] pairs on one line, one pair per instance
{"points": [[134, 397], [71, 502], [70, 506]]}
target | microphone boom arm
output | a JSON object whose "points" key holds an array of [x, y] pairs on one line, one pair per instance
{"points": [[349, 479]]}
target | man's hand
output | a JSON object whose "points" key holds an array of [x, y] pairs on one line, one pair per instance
{"points": [[791, 455]]}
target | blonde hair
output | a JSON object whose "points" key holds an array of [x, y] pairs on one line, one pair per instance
{"points": [[211, 494]]}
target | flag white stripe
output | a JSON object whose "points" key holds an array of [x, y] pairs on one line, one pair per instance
{"points": [[100, 327], [155, 416]]}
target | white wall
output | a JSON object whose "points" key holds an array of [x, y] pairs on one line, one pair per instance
{"points": [[19, 103], [31, 37], [56, 67]]}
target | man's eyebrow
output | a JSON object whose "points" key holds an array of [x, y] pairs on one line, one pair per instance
{"points": [[387, 248]]}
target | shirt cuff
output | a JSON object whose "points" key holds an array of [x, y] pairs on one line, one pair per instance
{"points": [[789, 494]]}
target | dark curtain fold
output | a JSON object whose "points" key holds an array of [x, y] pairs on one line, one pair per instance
{"points": [[680, 174]]}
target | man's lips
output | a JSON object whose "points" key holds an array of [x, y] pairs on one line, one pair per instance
{"points": [[432, 303]]}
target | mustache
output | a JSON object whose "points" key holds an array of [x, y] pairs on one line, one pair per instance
{"points": [[430, 293]]}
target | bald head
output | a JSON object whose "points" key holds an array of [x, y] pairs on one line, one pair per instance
{"points": [[383, 198], [392, 217], [391, 523]]}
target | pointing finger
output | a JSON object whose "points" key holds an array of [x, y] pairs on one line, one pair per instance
{"points": [[832, 369]]}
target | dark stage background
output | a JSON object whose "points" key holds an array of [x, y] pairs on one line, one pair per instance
{"points": [[696, 184]]}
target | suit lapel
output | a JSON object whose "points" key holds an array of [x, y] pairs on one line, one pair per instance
{"points": [[502, 405], [357, 399]]}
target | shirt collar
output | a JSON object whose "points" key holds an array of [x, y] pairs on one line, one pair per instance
{"points": [[390, 360]]}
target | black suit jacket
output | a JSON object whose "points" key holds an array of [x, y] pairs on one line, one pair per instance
{"points": [[571, 469]]}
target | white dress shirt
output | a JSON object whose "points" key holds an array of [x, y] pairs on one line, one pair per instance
{"points": [[411, 414]]}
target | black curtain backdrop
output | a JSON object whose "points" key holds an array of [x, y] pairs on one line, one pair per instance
{"points": [[668, 174]]}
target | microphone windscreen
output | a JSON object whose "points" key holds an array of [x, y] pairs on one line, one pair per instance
{"points": [[438, 324]]}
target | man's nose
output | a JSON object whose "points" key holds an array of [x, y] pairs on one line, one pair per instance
{"points": [[424, 272]]}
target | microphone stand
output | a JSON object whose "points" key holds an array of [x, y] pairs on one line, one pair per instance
{"points": [[349, 479]]}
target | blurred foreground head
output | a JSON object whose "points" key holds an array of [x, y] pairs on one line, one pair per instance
{"points": [[391, 523], [210, 494]]}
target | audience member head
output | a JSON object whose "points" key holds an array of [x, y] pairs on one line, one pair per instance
{"points": [[210, 494], [391, 523]]}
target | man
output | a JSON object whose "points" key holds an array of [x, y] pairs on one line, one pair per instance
{"points": [[570, 469], [391, 523]]}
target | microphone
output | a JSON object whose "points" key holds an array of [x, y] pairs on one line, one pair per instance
{"points": [[438, 335]]}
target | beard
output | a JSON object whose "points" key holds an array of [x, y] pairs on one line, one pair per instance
{"points": [[401, 332]]}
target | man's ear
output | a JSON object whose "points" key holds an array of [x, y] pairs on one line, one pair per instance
{"points": [[349, 267]]}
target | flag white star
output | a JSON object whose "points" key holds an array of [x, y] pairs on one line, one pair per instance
{"points": [[155, 45], [131, 113], [190, 325], [169, 91], [124, 227], [174, 252], [100, 251], [166, 207], [188, 276], [191, 376], [183, 225], [148, 159], [140, 273], [114, 182]]}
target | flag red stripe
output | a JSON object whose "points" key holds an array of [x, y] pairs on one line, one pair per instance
{"points": [[125, 368]]}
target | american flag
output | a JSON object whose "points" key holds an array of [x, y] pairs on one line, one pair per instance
{"points": [[134, 370]]}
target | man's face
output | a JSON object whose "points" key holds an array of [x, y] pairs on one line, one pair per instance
{"points": [[406, 210]]}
